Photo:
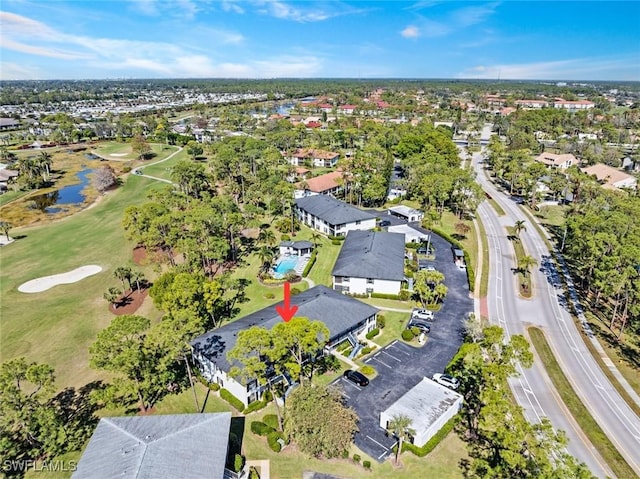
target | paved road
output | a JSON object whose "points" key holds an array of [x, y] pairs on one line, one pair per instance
{"points": [[548, 310], [401, 366]]}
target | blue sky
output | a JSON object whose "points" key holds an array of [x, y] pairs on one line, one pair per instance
{"points": [[263, 39]]}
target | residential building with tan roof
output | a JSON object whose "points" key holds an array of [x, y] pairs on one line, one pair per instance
{"points": [[611, 178], [318, 158], [328, 184], [531, 104], [561, 162]]}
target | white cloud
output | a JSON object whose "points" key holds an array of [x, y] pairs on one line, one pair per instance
{"points": [[622, 68], [146, 7], [455, 21], [468, 16], [410, 32], [232, 6], [314, 13], [13, 71]]}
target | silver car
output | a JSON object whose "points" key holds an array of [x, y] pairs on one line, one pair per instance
{"points": [[446, 380], [423, 314]]}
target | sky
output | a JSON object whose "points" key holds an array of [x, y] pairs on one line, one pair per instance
{"points": [[107, 39]]}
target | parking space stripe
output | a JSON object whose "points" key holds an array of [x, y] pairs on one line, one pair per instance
{"points": [[391, 356], [382, 362]]}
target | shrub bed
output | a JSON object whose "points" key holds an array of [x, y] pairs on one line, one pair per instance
{"points": [[381, 322], [373, 333], [367, 370], [273, 441], [310, 264], [407, 335], [385, 296], [231, 399], [433, 442], [256, 406], [366, 350], [261, 429]]}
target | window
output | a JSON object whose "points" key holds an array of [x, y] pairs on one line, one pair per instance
{"points": [[338, 279], [345, 279], [369, 280], [369, 290], [358, 222]]}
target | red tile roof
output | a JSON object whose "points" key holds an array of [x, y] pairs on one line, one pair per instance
{"points": [[322, 183]]}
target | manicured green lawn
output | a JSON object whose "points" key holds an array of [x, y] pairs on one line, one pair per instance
{"points": [[120, 150], [163, 170], [395, 324], [12, 195], [57, 326]]}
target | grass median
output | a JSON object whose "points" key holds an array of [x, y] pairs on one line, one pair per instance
{"points": [[577, 408]]}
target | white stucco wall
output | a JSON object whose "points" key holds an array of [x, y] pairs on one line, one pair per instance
{"points": [[360, 285]]}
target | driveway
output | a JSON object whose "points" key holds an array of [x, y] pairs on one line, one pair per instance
{"points": [[401, 366]]}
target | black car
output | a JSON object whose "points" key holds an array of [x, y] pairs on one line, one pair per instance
{"points": [[384, 223], [356, 377], [425, 328]]}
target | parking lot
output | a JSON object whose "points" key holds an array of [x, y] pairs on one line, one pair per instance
{"points": [[401, 366]]}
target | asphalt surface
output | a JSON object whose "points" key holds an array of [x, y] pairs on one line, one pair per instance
{"points": [[548, 310], [401, 366]]}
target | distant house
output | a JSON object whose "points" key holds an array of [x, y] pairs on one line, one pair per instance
{"points": [[404, 212], [561, 162], [573, 105], [531, 104], [8, 123], [295, 248], [370, 262], [347, 109], [345, 317], [6, 177], [327, 184], [159, 446], [611, 178], [318, 158], [332, 217], [429, 406]]}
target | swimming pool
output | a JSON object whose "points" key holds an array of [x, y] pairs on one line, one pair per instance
{"points": [[285, 265]]}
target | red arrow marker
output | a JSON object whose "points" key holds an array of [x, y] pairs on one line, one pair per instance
{"points": [[287, 311]]}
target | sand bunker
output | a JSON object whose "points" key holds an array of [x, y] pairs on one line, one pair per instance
{"points": [[46, 282], [118, 154]]}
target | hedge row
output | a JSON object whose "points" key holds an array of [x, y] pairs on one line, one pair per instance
{"points": [[231, 399], [274, 443], [310, 264], [261, 429], [373, 333], [471, 277], [385, 296], [433, 442], [337, 238]]}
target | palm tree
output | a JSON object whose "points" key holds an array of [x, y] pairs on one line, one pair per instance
{"points": [[44, 163], [265, 255], [5, 227], [315, 237], [123, 273], [525, 263], [137, 277], [400, 426], [267, 237], [519, 227], [112, 295]]}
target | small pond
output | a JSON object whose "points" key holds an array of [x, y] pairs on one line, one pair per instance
{"points": [[68, 195]]}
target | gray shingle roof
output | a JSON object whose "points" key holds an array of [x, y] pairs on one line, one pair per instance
{"points": [[338, 312], [370, 254], [297, 244], [334, 212], [176, 445]]}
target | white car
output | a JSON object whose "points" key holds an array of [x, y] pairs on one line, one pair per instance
{"points": [[423, 314], [446, 380]]}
